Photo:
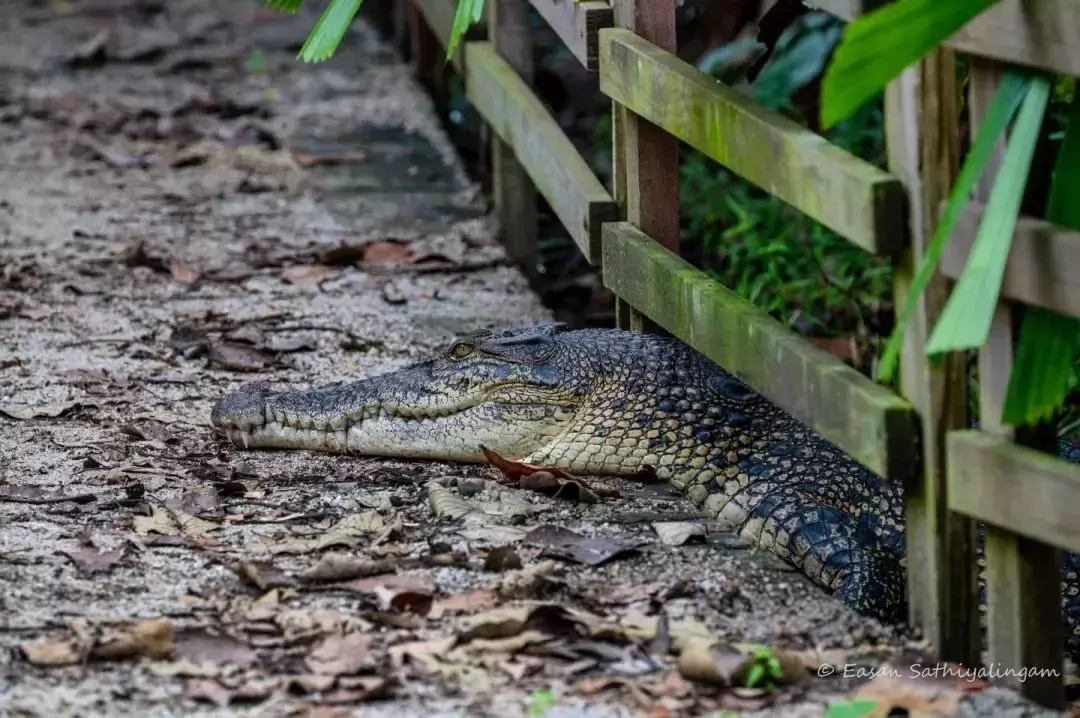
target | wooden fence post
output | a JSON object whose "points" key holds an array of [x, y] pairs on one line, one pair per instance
{"points": [[922, 114], [1022, 631], [645, 172], [515, 195]]}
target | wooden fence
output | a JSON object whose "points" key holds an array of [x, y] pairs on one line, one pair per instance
{"points": [[953, 476]]}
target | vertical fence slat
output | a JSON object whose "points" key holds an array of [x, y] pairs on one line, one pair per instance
{"points": [[1023, 585], [515, 196], [921, 119], [646, 158]]}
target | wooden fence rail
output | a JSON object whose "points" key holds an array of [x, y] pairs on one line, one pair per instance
{"points": [[1029, 500]]}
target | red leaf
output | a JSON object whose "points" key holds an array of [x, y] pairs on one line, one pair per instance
{"points": [[182, 274]]}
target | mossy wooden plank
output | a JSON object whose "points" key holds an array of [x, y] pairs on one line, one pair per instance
{"points": [[940, 546], [866, 420], [1013, 487], [1043, 261], [560, 174], [440, 18], [1039, 33], [850, 196], [577, 24]]}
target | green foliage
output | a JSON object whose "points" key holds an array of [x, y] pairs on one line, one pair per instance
{"points": [[766, 251], [1002, 108], [851, 709], [1045, 368], [469, 12], [765, 671], [540, 702], [289, 6], [965, 321], [878, 46], [330, 30]]}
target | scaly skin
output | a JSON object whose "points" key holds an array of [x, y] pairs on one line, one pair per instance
{"points": [[610, 402]]}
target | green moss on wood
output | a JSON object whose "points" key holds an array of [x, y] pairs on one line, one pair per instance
{"points": [[868, 421], [560, 174], [852, 197]]}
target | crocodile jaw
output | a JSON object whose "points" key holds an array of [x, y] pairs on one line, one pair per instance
{"points": [[514, 431]]}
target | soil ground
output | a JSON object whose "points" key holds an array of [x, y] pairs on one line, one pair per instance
{"points": [[186, 208]]}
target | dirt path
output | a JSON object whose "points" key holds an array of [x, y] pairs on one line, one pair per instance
{"points": [[185, 209]]}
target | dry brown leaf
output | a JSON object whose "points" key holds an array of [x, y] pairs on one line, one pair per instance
{"points": [[387, 253], [93, 560], [349, 532], [480, 599], [145, 639], [44, 411], [895, 691], [357, 690], [237, 357], [308, 159], [52, 653], [160, 521], [263, 575], [427, 654], [563, 543], [308, 274], [676, 533], [339, 567], [200, 647], [341, 654], [182, 274]]}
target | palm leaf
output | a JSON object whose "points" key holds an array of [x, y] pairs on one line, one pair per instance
{"points": [[965, 321], [1002, 108]]}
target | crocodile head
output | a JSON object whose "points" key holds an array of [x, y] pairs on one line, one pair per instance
{"points": [[511, 392]]}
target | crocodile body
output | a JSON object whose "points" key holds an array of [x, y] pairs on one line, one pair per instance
{"points": [[611, 402]]}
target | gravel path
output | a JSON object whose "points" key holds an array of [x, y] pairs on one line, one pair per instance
{"points": [[186, 209]]}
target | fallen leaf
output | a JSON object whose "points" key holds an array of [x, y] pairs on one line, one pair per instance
{"points": [[263, 575], [387, 252], [160, 521], [339, 567], [529, 582], [677, 533], [284, 345], [199, 502], [200, 647], [424, 653], [341, 654], [306, 159], [712, 663], [480, 599], [494, 534], [348, 532], [546, 480], [357, 690], [308, 274], [93, 560], [517, 470], [415, 589], [44, 411], [237, 357], [896, 691], [564, 543], [145, 639], [214, 692], [51, 653], [182, 274]]}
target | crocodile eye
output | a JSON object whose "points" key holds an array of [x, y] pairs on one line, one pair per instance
{"points": [[461, 350]]}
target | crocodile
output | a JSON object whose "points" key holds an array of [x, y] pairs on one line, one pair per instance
{"points": [[616, 403]]}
